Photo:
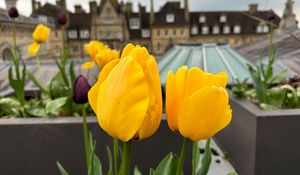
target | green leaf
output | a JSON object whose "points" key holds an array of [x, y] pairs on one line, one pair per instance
{"points": [[151, 171], [61, 169], [58, 87], [168, 165], [9, 106], [278, 77], [206, 160], [110, 160], [36, 82], [276, 96], [36, 111], [265, 106], [52, 107], [136, 171], [231, 173], [258, 83]]}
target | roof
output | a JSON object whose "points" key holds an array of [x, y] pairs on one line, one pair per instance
{"points": [[170, 8], [48, 10], [114, 3], [80, 21], [287, 47], [242, 18], [210, 57], [144, 24]]}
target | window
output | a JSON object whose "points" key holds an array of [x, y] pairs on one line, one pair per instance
{"points": [[223, 18], [43, 18], [109, 34], [194, 30], [174, 32], [266, 29], [134, 23], [145, 33], [202, 19], [72, 34], [170, 18], [158, 33], [216, 30], [166, 32], [204, 30], [181, 32], [84, 33], [56, 34], [158, 47], [237, 29], [74, 49], [226, 29]]}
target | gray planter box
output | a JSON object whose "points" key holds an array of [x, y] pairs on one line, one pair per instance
{"points": [[32, 146], [262, 142]]}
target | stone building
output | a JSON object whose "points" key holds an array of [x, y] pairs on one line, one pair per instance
{"points": [[24, 29], [115, 23]]}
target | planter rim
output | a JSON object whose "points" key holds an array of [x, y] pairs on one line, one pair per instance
{"points": [[254, 109], [50, 121]]}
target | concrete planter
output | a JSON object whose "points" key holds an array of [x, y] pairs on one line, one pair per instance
{"points": [[32, 146], [262, 142]]}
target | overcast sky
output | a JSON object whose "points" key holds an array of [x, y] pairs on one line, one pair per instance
{"points": [[25, 5]]}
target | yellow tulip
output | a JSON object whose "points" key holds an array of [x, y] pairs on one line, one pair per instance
{"points": [[41, 33], [101, 54], [127, 96], [197, 103]]}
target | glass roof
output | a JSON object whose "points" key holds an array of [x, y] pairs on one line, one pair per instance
{"points": [[212, 58]]}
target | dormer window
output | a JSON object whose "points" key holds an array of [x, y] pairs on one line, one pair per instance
{"points": [[226, 29], [194, 30], [262, 28], [216, 29], [145, 33], [205, 30], [237, 29], [223, 18], [134, 23], [266, 29], [170, 18], [84, 34], [43, 18], [202, 19]]}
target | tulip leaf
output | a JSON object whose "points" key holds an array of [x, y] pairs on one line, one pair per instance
{"points": [[58, 87], [36, 82], [136, 171], [168, 165], [151, 171], [61, 169], [53, 106], [9, 106], [110, 161], [206, 160], [36, 111]]}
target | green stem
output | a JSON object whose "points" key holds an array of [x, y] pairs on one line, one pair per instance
{"points": [[182, 156], [195, 157], [126, 158], [86, 137], [116, 153]]}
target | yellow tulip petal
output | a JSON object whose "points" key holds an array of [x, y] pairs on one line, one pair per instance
{"points": [[93, 93], [41, 33], [175, 87], [33, 48], [154, 111], [205, 113], [219, 79], [88, 65], [127, 49], [123, 100]]}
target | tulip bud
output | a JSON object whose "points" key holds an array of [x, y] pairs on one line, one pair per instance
{"points": [[62, 18], [80, 90], [13, 12], [271, 15]]}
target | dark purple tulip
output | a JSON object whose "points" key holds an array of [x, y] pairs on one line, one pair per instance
{"points": [[80, 90], [271, 15], [13, 12], [62, 18]]}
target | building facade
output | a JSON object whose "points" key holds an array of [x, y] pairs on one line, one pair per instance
{"points": [[115, 23]]}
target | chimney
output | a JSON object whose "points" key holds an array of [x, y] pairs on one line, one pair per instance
{"points": [[288, 20], [186, 10], [152, 16], [253, 8], [10, 3], [93, 7], [128, 7], [78, 9], [61, 4]]}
